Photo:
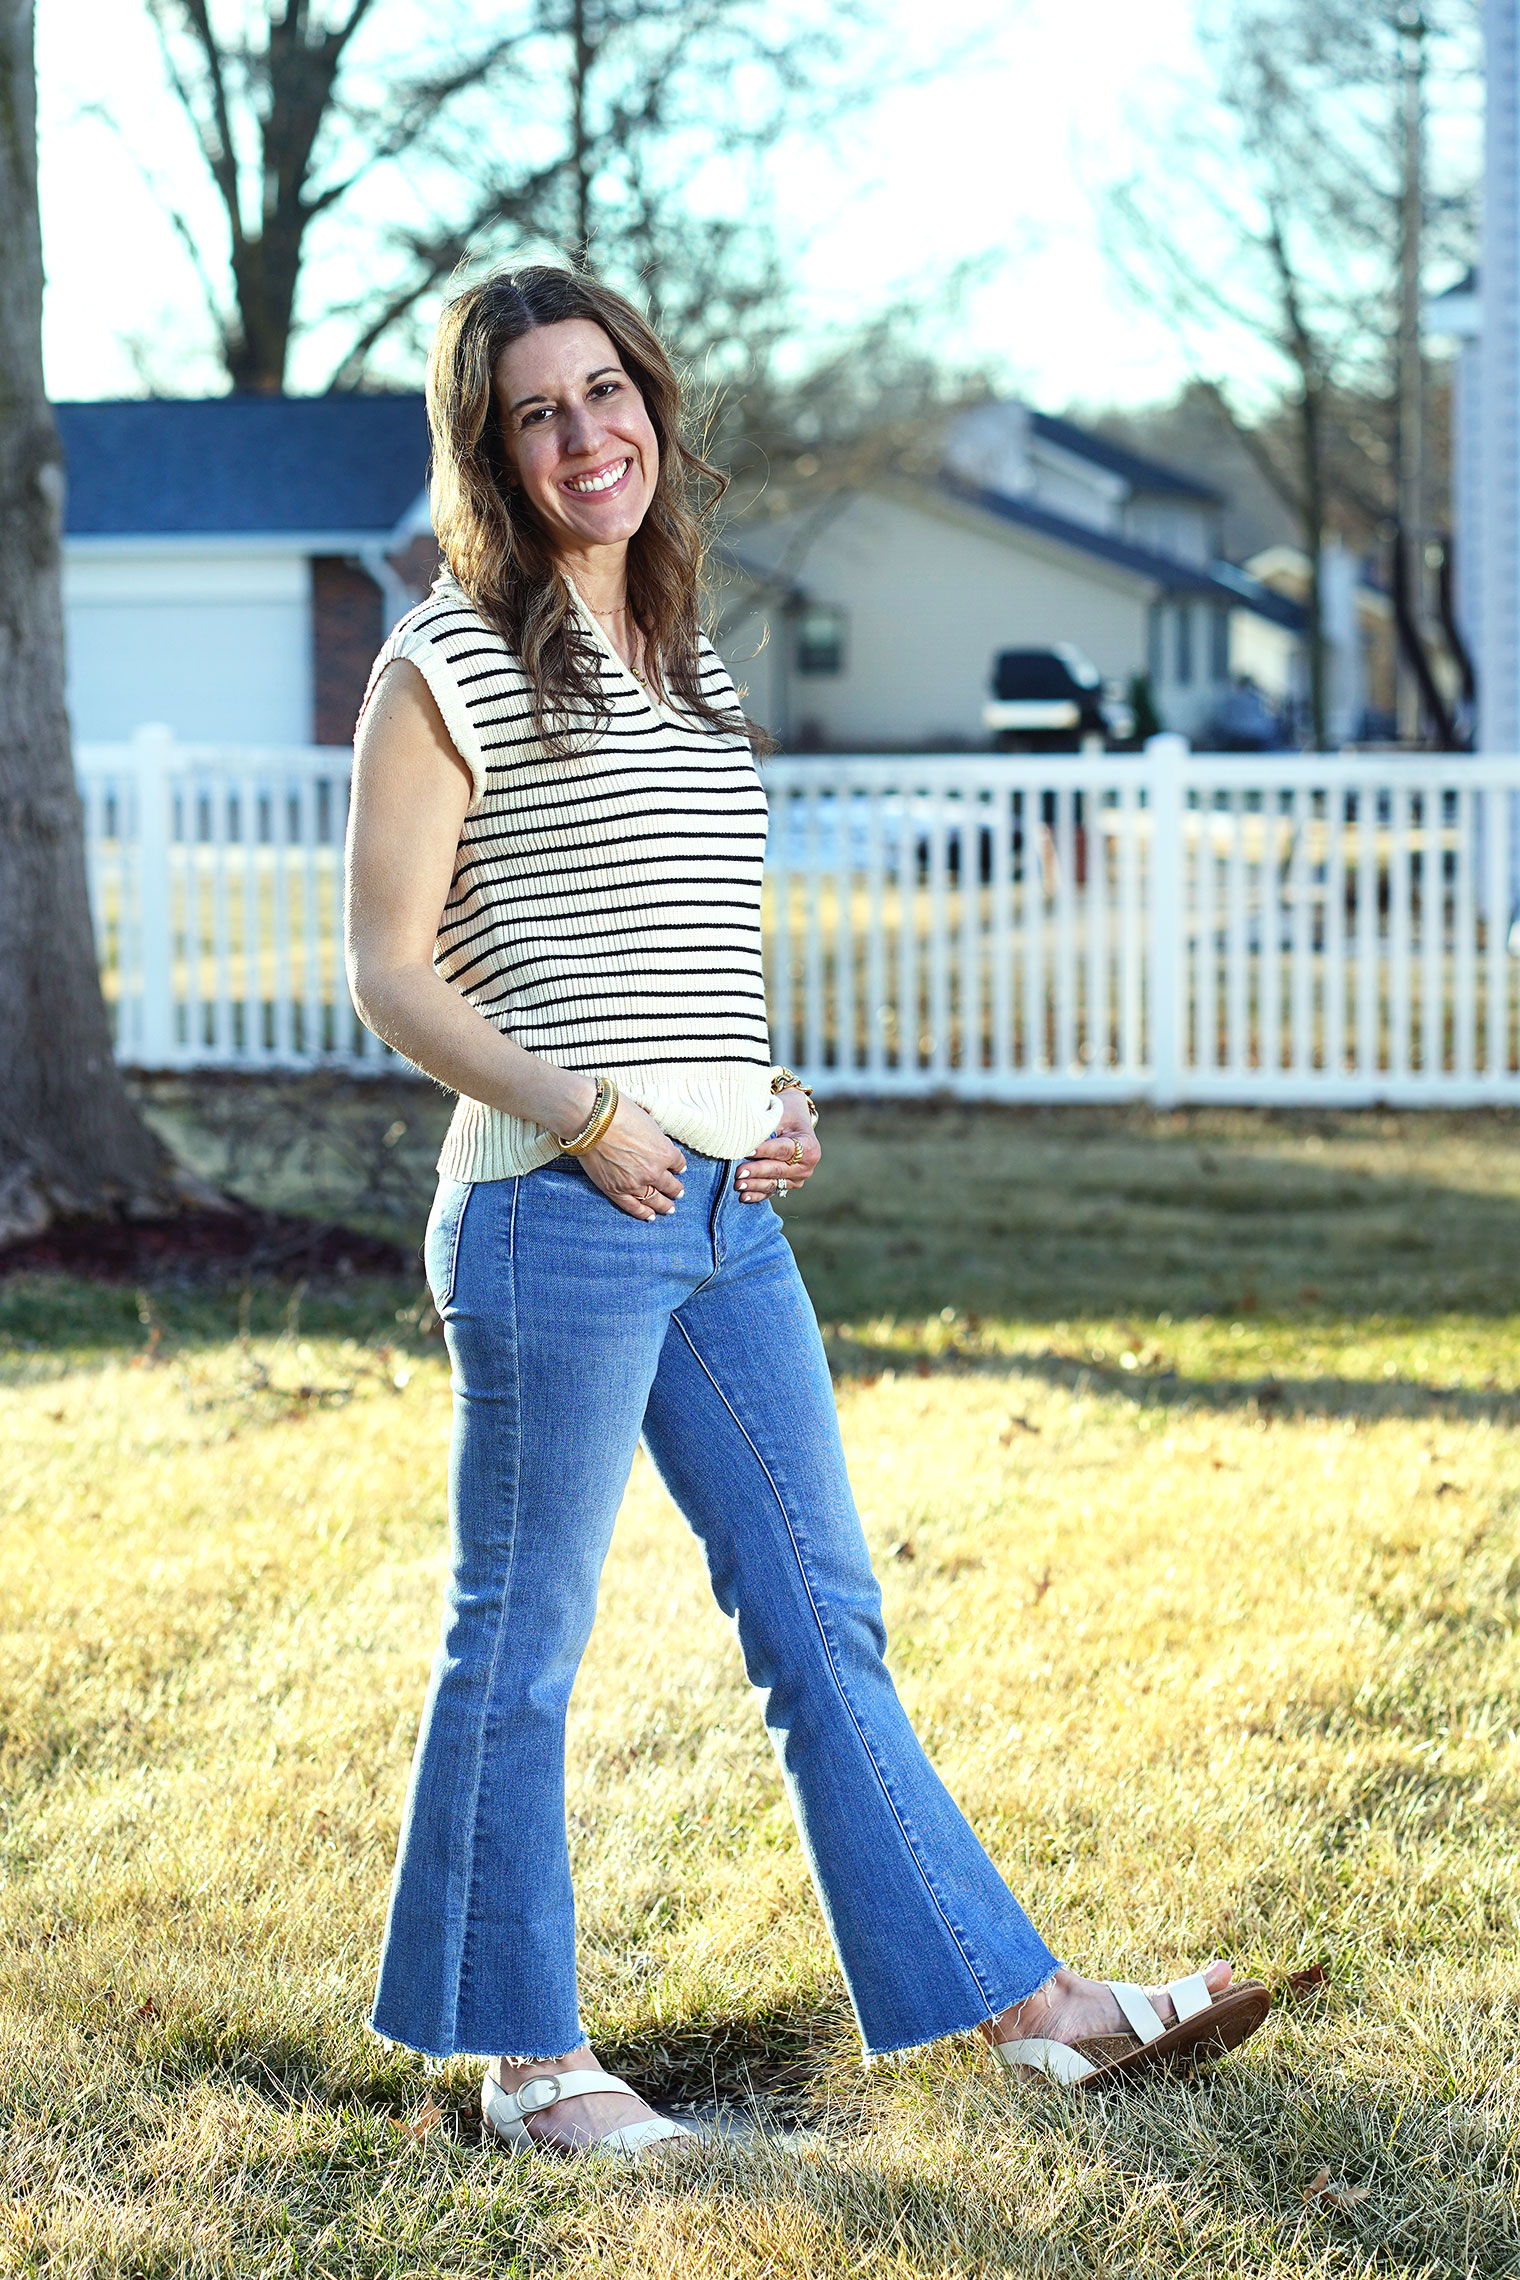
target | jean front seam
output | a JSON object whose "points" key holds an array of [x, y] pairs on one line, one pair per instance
{"points": [[467, 1910], [714, 1244], [977, 1977]]}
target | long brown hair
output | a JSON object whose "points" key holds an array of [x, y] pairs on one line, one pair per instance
{"points": [[493, 543]]}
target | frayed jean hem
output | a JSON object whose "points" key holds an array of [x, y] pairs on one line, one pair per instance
{"points": [[438, 2058], [872, 2051]]}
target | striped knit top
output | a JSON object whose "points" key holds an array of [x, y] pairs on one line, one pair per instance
{"points": [[605, 906]]}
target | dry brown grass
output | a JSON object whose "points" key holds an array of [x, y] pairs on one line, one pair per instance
{"points": [[1218, 1645]]}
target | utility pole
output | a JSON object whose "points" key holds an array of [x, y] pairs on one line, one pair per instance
{"points": [[1409, 531]]}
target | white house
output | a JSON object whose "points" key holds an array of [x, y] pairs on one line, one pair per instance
{"points": [[231, 566], [873, 620]]}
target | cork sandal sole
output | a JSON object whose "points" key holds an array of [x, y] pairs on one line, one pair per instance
{"points": [[1205, 2027]]}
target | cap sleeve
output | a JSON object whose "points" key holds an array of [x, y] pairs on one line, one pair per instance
{"points": [[417, 645]]}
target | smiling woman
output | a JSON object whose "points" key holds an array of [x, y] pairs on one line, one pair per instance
{"points": [[558, 449], [557, 836]]}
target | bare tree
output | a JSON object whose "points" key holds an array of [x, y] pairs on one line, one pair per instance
{"points": [[573, 126], [70, 1139], [1281, 221]]}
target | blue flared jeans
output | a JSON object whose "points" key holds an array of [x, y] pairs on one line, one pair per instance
{"points": [[572, 1330]]}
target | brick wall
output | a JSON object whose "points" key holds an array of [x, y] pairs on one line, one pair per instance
{"points": [[418, 562], [347, 623]]}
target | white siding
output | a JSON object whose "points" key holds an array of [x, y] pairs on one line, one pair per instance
{"points": [[1499, 387], [929, 599], [1168, 527], [214, 643], [1083, 494]]}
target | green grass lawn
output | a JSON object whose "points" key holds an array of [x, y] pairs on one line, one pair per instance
{"points": [[1188, 1449]]}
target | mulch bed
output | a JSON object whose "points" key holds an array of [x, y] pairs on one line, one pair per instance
{"points": [[210, 1246]]}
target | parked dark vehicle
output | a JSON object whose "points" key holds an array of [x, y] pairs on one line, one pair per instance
{"points": [[1050, 700]]}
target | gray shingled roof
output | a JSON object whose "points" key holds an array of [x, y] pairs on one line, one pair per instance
{"points": [[1218, 582], [243, 465]]}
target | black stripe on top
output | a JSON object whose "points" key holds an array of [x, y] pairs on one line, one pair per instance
{"points": [[616, 890]]}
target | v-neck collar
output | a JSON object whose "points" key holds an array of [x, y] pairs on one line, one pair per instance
{"points": [[661, 710]]}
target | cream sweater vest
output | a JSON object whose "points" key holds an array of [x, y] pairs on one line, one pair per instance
{"points": [[605, 908]]}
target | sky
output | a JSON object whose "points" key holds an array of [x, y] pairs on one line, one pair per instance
{"points": [[1002, 157]]}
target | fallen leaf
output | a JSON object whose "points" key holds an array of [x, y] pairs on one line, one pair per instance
{"points": [[1041, 1586], [1319, 2188], [1016, 1425], [903, 1551], [1304, 1982], [428, 2116]]}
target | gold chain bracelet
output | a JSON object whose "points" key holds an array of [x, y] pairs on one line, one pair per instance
{"points": [[787, 1080]]}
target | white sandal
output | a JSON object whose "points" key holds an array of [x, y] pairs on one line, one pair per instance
{"points": [[1205, 2025], [503, 2112]]}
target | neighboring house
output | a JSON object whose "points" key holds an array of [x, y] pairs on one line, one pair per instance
{"points": [[1360, 640], [232, 566], [873, 620]]}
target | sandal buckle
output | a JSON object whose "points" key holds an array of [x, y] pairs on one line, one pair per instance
{"points": [[538, 2092]]}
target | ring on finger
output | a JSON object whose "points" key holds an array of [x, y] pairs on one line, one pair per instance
{"points": [[796, 1154], [782, 1187]]}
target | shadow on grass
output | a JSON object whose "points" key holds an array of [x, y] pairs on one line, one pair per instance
{"points": [[775, 2060], [1052, 1215], [772, 2062], [1032, 1215], [1268, 1398], [71, 1317]]}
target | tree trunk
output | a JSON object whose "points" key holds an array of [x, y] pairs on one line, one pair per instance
{"points": [[70, 1139], [581, 160], [1314, 546]]}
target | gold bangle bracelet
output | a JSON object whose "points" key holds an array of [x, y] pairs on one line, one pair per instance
{"points": [[603, 1110]]}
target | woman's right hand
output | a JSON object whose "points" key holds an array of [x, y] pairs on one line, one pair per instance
{"points": [[635, 1164]]}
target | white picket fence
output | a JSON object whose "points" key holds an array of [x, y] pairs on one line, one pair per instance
{"points": [[1172, 926]]}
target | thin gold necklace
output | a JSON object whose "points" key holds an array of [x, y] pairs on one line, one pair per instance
{"points": [[622, 611]]}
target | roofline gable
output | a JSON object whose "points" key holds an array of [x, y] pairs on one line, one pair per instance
{"points": [[1221, 583], [1141, 473]]}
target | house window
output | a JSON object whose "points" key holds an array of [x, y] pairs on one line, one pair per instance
{"points": [[820, 639], [1184, 653], [1219, 644], [1155, 655]]}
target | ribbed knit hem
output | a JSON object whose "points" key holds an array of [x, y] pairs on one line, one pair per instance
{"points": [[723, 1112]]}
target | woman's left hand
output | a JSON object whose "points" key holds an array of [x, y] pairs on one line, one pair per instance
{"points": [[786, 1159]]}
